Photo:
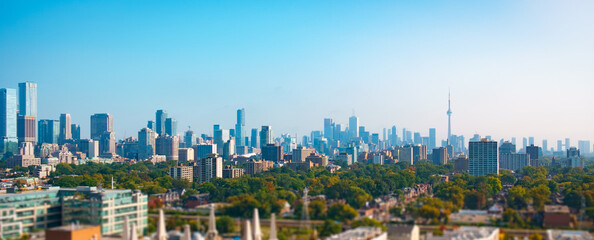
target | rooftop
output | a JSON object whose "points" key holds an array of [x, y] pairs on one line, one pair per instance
{"points": [[360, 233], [568, 235], [72, 227]]}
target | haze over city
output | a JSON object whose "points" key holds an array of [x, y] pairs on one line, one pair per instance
{"points": [[515, 68]]}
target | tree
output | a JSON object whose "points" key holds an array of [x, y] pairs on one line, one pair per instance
{"points": [[429, 212], [368, 222], [512, 218], [507, 177], [153, 189], [493, 185], [225, 224], [540, 196], [329, 228], [475, 200], [342, 212], [317, 209], [535, 236], [516, 197], [181, 183]]}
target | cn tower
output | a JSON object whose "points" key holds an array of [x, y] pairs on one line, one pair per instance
{"points": [[449, 119]]}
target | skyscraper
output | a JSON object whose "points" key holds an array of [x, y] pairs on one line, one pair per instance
{"points": [[189, 139], [328, 128], [168, 145], [49, 131], [171, 126], [417, 138], [440, 156], [240, 128], [8, 121], [483, 158], [107, 145], [394, 139], [203, 150], [28, 99], [26, 129], [584, 146], [567, 143], [151, 125], [545, 144], [75, 130], [354, 127], [266, 136], [432, 139], [65, 128], [100, 123], [559, 145], [146, 143], [530, 140], [533, 152], [161, 116], [254, 139], [221, 136], [507, 147], [272, 152]]}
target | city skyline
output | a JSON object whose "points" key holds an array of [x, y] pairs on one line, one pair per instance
{"points": [[527, 140], [497, 58]]}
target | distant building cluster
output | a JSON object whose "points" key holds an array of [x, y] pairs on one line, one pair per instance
{"points": [[27, 141]]}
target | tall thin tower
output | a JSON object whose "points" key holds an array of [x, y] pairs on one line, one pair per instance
{"points": [[449, 119]]}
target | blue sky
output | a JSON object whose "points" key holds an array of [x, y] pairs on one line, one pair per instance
{"points": [[515, 68]]}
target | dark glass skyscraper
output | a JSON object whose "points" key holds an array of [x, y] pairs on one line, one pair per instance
{"points": [[170, 127], [254, 139], [266, 136], [328, 128], [101, 123], [161, 117], [49, 131], [75, 130], [189, 139]]}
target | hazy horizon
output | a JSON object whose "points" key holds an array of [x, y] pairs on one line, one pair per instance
{"points": [[515, 68]]}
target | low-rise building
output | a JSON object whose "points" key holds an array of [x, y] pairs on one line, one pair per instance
{"points": [[557, 216], [317, 160], [44, 170], [232, 172], [361, 233], [253, 167], [182, 172], [22, 212], [403, 232], [553, 234], [186, 154], [476, 233], [74, 232]]}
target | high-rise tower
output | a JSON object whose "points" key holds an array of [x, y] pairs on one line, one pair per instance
{"points": [[161, 117], [240, 128], [65, 128], [449, 119]]}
